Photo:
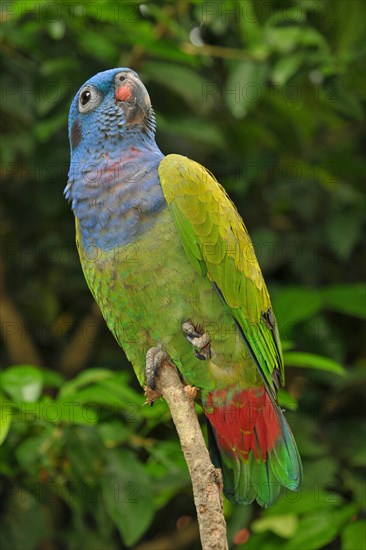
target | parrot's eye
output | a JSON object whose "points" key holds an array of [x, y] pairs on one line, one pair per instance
{"points": [[85, 97], [89, 99], [121, 78]]}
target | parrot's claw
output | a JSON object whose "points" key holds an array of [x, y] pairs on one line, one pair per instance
{"points": [[200, 340], [191, 391], [155, 357]]}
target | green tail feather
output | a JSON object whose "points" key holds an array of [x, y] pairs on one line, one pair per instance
{"points": [[262, 481]]}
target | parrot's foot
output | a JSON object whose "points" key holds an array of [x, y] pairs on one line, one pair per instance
{"points": [[155, 357], [191, 391], [200, 340]]}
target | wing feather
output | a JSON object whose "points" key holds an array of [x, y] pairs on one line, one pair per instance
{"points": [[218, 245]]}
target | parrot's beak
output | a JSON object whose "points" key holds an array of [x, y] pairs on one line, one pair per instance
{"points": [[131, 95]]}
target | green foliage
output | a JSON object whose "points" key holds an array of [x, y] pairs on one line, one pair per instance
{"points": [[84, 448], [269, 95]]}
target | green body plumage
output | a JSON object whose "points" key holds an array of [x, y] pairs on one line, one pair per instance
{"points": [[147, 288]]}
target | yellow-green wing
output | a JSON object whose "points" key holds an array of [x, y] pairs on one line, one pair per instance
{"points": [[218, 245]]}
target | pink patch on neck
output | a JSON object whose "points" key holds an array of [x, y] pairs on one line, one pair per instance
{"points": [[124, 93]]}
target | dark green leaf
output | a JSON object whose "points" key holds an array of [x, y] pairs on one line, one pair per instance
{"points": [[317, 530], [244, 87], [283, 526], [5, 421], [286, 67], [84, 379], [23, 509], [292, 305], [354, 536], [127, 495], [348, 299], [312, 361], [22, 382]]}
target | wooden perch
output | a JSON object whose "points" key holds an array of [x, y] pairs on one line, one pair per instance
{"points": [[206, 479]]}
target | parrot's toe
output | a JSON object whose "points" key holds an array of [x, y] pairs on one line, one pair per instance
{"points": [[155, 357], [151, 395], [191, 391], [200, 340]]}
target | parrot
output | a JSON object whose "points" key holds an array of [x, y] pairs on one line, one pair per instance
{"points": [[169, 261]]}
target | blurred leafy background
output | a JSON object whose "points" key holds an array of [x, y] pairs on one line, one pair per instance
{"points": [[269, 95]]}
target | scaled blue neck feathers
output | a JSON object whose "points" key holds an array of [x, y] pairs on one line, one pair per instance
{"points": [[113, 181]]}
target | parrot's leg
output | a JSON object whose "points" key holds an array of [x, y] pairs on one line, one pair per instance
{"points": [[200, 340], [155, 357]]}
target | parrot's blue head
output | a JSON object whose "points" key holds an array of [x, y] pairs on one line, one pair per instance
{"points": [[109, 106], [113, 177]]}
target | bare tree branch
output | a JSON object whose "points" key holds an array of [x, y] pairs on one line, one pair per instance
{"points": [[206, 479], [222, 52], [76, 353], [18, 341]]}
